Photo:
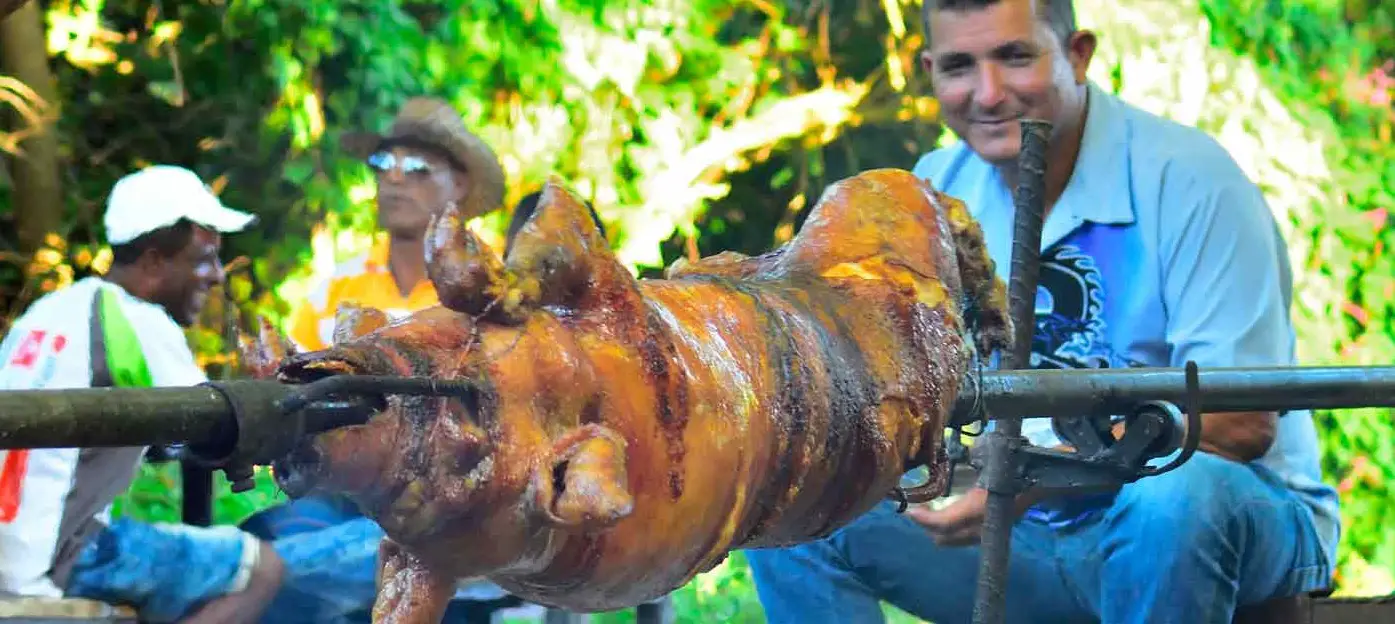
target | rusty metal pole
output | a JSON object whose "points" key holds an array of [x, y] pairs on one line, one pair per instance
{"points": [[107, 417], [1002, 466], [196, 481], [1012, 395]]}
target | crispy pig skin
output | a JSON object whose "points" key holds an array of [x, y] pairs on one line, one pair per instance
{"points": [[627, 434]]}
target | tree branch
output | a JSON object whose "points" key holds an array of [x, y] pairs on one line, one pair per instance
{"points": [[675, 193]]}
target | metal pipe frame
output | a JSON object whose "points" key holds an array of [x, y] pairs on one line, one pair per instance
{"points": [[112, 417]]}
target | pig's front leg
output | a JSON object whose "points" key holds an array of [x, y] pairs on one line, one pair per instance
{"points": [[409, 591]]}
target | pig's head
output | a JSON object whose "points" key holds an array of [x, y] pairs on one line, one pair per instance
{"points": [[522, 452]]}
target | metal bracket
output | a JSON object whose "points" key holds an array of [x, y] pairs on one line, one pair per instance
{"points": [[319, 390], [1099, 461], [1149, 425], [1154, 429], [1192, 441], [260, 432]]}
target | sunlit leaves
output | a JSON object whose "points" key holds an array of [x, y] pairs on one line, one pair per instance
{"points": [[1322, 180], [34, 114], [1328, 56]]}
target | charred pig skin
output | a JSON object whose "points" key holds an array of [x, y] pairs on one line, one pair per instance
{"points": [[627, 434]]}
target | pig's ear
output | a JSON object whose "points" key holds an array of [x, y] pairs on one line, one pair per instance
{"points": [[260, 356], [352, 320], [588, 487], [468, 275], [561, 257]]}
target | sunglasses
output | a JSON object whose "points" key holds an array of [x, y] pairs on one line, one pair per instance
{"points": [[382, 162]]}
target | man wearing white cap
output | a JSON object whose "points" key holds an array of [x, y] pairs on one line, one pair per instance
{"points": [[124, 329]]}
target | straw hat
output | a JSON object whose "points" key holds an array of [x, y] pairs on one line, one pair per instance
{"points": [[433, 122]]}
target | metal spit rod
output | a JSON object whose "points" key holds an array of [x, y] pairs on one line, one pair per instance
{"points": [[106, 417], [103, 417], [1012, 395], [113, 417]]}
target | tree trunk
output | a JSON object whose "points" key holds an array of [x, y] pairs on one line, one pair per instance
{"points": [[8, 6], [38, 192]]}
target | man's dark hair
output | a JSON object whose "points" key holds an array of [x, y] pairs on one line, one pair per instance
{"points": [[1059, 14], [167, 241], [525, 209]]}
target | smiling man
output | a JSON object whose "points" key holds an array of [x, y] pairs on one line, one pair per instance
{"points": [[123, 329], [1156, 250]]}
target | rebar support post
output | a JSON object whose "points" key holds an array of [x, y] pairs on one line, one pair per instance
{"points": [[1005, 437]]}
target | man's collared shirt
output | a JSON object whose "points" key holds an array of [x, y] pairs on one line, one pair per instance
{"points": [[364, 280], [92, 333], [1159, 251]]}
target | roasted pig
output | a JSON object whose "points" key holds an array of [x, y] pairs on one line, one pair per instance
{"points": [[626, 435]]}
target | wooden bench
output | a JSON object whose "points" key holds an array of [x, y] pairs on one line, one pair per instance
{"points": [[1320, 610], [15, 610]]}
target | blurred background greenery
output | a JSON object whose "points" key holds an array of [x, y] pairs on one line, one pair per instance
{"points": [[694, 127]]}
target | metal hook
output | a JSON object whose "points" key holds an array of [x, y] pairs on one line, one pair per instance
{"points": [[900, 496], [1193, 438], [977, 413]]}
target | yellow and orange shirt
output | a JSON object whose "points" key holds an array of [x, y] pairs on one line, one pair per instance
{"points": [[364, 280]]}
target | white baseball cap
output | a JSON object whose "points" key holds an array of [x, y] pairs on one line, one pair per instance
{"points": [[161, 195]]}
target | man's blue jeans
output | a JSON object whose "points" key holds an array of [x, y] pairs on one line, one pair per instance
{"points": [[330, 552], [1186, 546]]}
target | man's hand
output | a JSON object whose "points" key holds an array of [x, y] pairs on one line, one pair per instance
{"points": [[961, 523], [1239, 436]]}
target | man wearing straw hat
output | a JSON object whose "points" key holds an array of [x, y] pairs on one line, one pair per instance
{"points": [[426, 161]]}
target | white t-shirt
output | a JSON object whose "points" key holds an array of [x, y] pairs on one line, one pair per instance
{"points": [[135, 343]]}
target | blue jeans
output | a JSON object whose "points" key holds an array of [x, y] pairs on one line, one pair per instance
{"points": [[148, 566], [330, 552], [330, 555], [1186, 546]]}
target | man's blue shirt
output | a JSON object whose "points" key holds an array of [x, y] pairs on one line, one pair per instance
{"points": [[1159, 251]]}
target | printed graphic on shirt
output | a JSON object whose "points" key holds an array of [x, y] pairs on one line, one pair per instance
{"points": [[32, 360], [27, 353], [1071, 330], [12, 470], [38, 348]]}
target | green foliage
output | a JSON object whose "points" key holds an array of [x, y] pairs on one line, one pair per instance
{"points": [[150, 500], [1336, 59]]}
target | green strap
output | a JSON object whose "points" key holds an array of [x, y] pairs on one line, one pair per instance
{"points": [[124, 356]]}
